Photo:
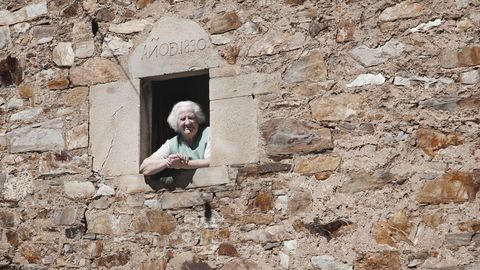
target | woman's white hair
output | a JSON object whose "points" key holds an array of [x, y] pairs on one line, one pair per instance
{"points": [[172, 118]]}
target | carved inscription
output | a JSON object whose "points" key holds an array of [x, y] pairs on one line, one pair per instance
{"points": [[155, 49]]}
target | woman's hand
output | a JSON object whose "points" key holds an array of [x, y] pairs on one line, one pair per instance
{"points": [[177, 161]]}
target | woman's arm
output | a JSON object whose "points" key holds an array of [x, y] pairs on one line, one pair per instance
{"points": [[197, 163], [152, 166]]}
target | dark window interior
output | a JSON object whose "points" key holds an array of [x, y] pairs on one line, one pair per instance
{"points": [[165, 93]]}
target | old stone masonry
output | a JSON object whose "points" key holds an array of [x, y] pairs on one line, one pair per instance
{"points": [[345, 134]]}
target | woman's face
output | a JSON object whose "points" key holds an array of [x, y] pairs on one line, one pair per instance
{"points": [[187, 123]]}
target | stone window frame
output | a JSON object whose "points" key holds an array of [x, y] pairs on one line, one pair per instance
{"points": [[233, 108]]}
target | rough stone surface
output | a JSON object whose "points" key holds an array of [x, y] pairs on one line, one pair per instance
{"points": [[180, 200], [430, 140], [310, 67], [95, 71], [286, 136], [240, 264], [335, 108], [381, 260], [328, 262], [371, 57], [365, 181]]}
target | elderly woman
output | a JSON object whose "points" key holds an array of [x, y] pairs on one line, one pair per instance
{"points": [[189, 149]]}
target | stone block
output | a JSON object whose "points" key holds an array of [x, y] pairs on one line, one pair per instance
{"points": [[170, 200], [78, 190], [17, 188], [274, 42], [336, 108], [454, 186], [210, 176], [371, 57], [106, 223], [362, 181], [84, 49], [130, 26], [174, 45], [113, 45], [44, 136], [63, 54], [131, 184], [224, 23], [154, 221], [317, 165], [288, 136], [114, 128], [430, 140], [118, 259], [26, 13], [367, 79], [328, 262], [4, 37], [65, 216], [77, 137], [276, 233], [234, 141], [244, 85], [310, 67], [456, 240], [470, 77], [403, 10], [241, 264], [381, 260], [95, 71]]}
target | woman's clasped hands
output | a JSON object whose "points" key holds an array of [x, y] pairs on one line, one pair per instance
{"points": [[177, 161]]}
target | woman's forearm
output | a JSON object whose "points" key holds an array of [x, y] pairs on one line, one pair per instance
{"points": [[197, 163], [152, 166]]}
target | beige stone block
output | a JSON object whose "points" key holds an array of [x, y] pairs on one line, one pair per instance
{"points": [[234, 131], [210, 176], [174, 45], [244, 85], [115, 128], [131, 184]]}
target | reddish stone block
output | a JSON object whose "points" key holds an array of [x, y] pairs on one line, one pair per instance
{"points": [[455, 186]]}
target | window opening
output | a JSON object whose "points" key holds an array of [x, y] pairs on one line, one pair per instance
{"points": [[157, 99]]}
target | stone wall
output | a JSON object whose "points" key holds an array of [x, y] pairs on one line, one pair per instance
{"points": [[367, 123]]}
